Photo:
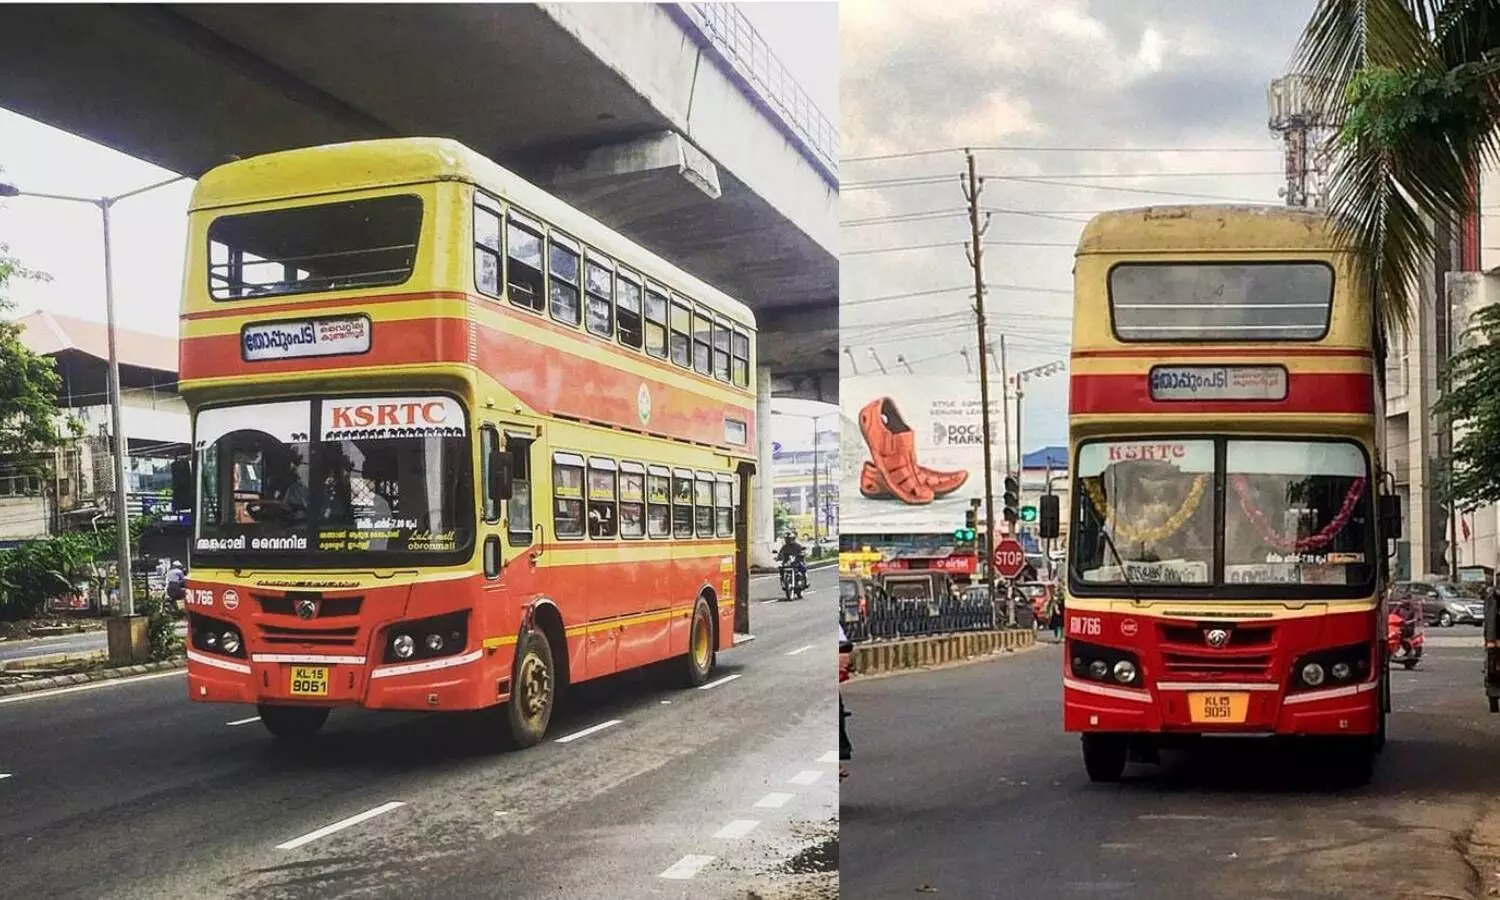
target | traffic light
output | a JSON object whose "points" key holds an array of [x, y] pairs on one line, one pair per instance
{"points": [[1012, 499], [964, 535], [1028, 514], [971, 519]]}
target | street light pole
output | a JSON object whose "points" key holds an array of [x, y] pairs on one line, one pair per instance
{"points": [[120, 449]]}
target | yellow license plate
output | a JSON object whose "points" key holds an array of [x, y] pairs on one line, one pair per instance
{"points": [[1218, 709], [309, 681]]}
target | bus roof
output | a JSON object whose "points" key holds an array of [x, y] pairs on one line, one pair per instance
{"points": [[387, 162], [1209, 227]]}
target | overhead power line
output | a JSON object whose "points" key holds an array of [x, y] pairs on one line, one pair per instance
{"points": [[937, 151], [919, 180], [902, 248]]}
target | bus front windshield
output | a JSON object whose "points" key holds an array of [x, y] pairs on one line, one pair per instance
{"points": [[315, 482], [1297, 515]]}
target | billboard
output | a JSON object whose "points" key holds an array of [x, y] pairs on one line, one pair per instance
{"points": [[913, 452]]}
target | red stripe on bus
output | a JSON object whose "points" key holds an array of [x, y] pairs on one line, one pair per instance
{"points": [[1320, 392], [1170, 351]]}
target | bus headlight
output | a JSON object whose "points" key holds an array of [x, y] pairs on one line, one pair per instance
{"points": [[417, 640], [1125, 671], [1349, 664], [1098, 668], [434, 642], [230, 642], [1108, 664], [403, 646]]}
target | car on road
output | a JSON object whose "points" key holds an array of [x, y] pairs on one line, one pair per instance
{"points": [[1443, 603]]}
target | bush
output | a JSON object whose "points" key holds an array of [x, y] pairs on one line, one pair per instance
{"points": [[161, 627]]}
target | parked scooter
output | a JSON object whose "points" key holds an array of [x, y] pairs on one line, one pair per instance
{"points": [[1404, 639]]}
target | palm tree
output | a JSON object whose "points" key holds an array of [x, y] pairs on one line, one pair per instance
{"points": [[1413, 84]]}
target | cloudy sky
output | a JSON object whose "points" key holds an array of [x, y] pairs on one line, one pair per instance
{"points": [[1164, 96], [150, 231]]}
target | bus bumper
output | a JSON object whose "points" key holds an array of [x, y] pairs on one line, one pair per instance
{"points": [[448, 683], [1348, 710]]}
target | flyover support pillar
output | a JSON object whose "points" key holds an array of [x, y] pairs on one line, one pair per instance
{"points": [[763, 506]]}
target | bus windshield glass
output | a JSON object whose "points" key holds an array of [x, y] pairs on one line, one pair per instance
{"points": [[1145, 512], [1296, 513], [323, 480]]}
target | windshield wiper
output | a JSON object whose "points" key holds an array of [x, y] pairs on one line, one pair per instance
{"points": [[1124, 572]]}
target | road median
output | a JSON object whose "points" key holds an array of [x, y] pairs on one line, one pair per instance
{"points": [[937, 650], [31, 685]]}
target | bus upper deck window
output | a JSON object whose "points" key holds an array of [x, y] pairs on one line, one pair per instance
{"points": [[740, 344], [600, 313], [721, 351], [656, 323], [628, 311], [524, 282], [680, 336], [564, 283], [339, 246], [702, 343]]}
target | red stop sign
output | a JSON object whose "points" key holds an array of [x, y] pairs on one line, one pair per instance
{"points": [[1010, 559]]}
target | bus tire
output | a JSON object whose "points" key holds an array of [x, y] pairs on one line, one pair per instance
{"points": [[1495, 704], [292, 723], [533, 694], [1104, 756], [699, 660]]}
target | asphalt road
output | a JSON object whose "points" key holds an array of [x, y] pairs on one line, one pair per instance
{"points": [[61, 644], [963, 783], [130, 791]]}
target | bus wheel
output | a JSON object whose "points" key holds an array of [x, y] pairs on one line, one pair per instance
{"points": [[535, 691], [293, 723], [1104, 756], [700, 656], [1495, 704]]}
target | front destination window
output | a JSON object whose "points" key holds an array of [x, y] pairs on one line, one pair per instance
{"points": [[324, 482], [1298, 515]]}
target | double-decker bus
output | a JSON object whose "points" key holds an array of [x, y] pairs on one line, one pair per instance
{"points": [[1229, 516], [457, 444]]}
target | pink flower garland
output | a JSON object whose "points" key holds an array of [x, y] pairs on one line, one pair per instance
{"points": [[1299, 545]]}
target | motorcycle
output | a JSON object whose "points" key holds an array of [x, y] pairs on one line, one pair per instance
{"points": [[1404, 648], [793, 579]]}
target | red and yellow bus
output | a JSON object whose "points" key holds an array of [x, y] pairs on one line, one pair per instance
{"points": [[1230, 515], [458, 445]]}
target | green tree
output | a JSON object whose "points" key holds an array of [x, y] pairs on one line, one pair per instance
{"points": [[1413, 85], [29, 384], [1473, 398]]}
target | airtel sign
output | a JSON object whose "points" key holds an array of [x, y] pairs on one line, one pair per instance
{"points": [[352, 413]]}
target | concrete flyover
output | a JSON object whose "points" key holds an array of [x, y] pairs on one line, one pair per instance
{"points": [[667, 123]]}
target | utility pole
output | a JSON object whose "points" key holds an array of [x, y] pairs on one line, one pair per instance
{"points": [[972, 188], [1005, 404]]}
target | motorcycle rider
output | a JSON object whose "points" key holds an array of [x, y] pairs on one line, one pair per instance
{"points": [[846, 651], [794, 552]]}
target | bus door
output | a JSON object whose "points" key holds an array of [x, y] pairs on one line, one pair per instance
{"points": [[508, 537], [742, 547]]}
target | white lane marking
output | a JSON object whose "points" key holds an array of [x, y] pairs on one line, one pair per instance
{"points": [[832, 756], [737, 829], [592, 729], [1173, 817], [37, 695], [725, 680], [340, 825], [774, 800], [4, 775], [806, 776], [686, 867], [800, 650], [244, 721]]}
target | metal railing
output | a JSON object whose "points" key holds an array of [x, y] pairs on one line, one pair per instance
{"points": [[730, 33], [887, 619]]}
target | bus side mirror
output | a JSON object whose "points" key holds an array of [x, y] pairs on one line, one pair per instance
{"points": [[1390, 516], [182, 485], [1048, 525], [501, 476]]}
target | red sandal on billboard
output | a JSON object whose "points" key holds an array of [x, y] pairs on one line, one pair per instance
{"points": [[893, 471], [942, 483]]}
